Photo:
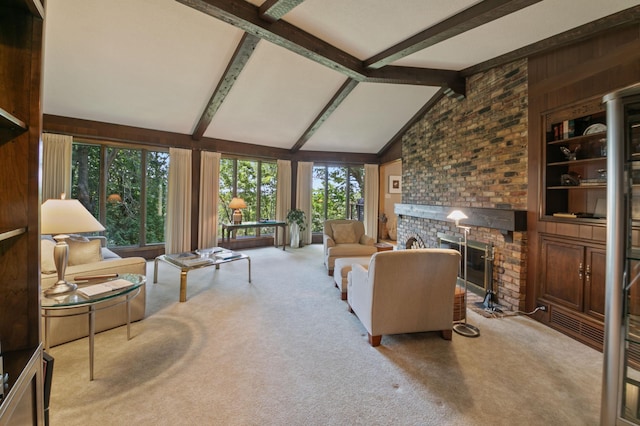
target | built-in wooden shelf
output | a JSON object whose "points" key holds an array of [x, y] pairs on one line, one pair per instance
{"points": [[10, 126], [12, 233]]}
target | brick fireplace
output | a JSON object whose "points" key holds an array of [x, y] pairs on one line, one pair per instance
{"points": [[471, 155]]}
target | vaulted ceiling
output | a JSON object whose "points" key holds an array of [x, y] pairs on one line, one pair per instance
{"points": [[317, 75]]}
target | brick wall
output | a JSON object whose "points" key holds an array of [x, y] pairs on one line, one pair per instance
{"points": [[473, 153]]}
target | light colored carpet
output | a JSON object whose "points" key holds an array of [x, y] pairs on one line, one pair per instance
{"points": [[284, 350]]}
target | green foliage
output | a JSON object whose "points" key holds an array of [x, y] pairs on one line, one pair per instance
{"points": [[124, 182], [297, 216], [336, 191]]}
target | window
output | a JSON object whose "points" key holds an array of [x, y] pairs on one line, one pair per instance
{"points": [[125, 189], [255, 182], [337, 194]]}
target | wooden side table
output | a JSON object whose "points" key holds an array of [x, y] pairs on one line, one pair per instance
{"points": [[383, 246]]}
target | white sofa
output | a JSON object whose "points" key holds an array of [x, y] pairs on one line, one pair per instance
{"points": [[99, 260], [405, 291], [345, 238]]}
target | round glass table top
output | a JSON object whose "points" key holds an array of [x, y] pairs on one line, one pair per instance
{"points": [[77, 298]]}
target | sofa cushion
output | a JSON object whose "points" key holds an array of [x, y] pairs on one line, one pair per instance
{"points": [[47, 264], [343, 233], [81, 252]]}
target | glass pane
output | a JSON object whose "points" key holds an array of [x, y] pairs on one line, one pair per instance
{"points": [[337, 193], [317, 200], [124, 181], [269, 173], [225, 193], [85, 176], [356, 193], [248, 191], [157, 178]]}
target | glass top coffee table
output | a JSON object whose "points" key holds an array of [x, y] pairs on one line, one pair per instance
{"points": [[64, 305], [201, 258]]}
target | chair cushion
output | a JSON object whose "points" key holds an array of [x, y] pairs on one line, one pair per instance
{"points": [[81, 252], [343, 233], [351, 250]]}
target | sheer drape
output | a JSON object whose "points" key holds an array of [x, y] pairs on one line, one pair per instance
{"points": [[209, 186], [283, 192], [303, 196], [178, 235], [371, 191], [56, 165]]}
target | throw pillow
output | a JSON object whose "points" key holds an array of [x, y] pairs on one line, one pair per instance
{"points": [[81, 252], [47, 265], [343, 233]]}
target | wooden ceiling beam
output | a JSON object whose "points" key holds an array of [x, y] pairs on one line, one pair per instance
{"points": [[621, 19], [473, 17], [246, 16], [274, 10], [418, 77], [326, 112], [239, 59]]}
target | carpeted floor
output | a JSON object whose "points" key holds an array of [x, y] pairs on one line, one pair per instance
{"points": [[284, 350]]}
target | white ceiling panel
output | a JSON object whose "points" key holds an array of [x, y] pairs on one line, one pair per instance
{"points": [[144, 63], [369, 117], [527, 26], [366, 28], [275, 99]]}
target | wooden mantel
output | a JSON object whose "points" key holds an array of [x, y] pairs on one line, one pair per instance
{"points": [[506, 221]]}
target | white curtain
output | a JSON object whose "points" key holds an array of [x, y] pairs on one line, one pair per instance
{"points": [[178, 235], [371, 194], [303, 196], [56, 165], [283, 193], [209, 186]]}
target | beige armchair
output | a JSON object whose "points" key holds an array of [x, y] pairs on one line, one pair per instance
{"points": [[345, 238], [406, 291]]}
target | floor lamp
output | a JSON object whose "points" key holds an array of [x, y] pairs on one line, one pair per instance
{"points": [[463, 328]]}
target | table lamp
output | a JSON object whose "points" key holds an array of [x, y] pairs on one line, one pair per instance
{"points": [[463, 328], [58, 218], [237, 204]]}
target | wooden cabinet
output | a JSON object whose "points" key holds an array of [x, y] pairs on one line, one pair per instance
{"points": [[573, 276], [21, 31]]}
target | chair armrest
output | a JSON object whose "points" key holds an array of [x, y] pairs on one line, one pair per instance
{"points": [[367, 240], [327, 241], [360, 292]]}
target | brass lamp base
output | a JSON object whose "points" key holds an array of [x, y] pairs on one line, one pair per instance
{"points": [[237, 217], [60, 288]]}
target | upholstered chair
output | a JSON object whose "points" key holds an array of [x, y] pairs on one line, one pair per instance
{"points": [[405, 291], [345, 238]]}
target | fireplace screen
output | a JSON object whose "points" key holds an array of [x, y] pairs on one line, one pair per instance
{"points": [[475, 261]]}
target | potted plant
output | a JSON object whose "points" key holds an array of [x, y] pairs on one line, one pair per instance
{"points": [[297, 221]]}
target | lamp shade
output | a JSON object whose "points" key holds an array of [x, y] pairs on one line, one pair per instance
{"points": [[237, 203], [457, 215], [66, 217]]}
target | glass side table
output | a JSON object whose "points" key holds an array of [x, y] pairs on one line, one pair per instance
{"points": [[55, 307]]}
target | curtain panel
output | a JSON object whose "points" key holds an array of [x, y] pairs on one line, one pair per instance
{"points": [[178, 223], [209, 188], [283, 194], [56, 165], [371, 199], [304, 188]]}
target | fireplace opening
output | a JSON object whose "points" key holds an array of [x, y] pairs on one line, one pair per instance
{"points": [[477, 280]]}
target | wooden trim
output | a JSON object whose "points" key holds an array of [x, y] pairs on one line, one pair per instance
{"points": [[470, 18]]}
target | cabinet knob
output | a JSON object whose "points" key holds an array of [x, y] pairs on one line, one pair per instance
{"points": [[588, 272], [580, 270]]}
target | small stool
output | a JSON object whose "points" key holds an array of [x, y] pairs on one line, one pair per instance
{"points": [[459, 307], [342, 267]]}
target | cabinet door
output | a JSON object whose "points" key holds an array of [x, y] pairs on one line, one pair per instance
{"points": [[563, 273], [595, 275]]}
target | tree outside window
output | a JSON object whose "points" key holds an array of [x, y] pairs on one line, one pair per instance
{"points": [[125, 189], [337, 191]]}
